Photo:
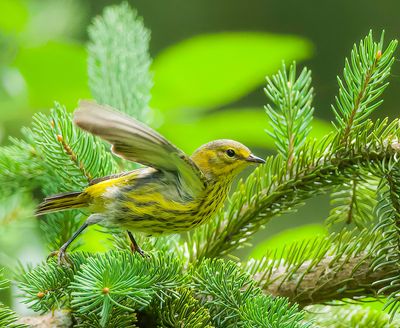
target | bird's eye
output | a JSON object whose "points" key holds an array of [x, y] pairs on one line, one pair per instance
{"points": [[230, 152]]}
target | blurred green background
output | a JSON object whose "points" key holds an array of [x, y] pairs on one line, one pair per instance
{"points": [[210, 59]]}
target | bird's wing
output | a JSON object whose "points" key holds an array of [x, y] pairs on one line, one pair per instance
{"points": [[138, 143]]}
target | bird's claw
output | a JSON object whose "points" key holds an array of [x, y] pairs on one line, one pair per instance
{"points": [[137, 249], [62, 257]]}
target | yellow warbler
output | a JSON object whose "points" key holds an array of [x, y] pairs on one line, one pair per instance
{"points": [[174, 193]]}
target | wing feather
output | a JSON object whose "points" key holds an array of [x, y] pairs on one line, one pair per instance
{"points": [[136, 142]]}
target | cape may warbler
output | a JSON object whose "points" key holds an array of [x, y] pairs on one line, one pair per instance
{"points": [[174, 193]]}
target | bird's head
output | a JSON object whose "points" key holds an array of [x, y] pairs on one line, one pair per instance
{"points": [[223, 158]]}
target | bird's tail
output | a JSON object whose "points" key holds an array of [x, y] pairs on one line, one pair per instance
{"points": [[64, 201]]}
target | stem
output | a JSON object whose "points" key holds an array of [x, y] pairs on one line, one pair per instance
{"points": [[352, 201]]}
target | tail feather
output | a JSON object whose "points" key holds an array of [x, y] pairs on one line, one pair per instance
{"points": [[64, 201]]}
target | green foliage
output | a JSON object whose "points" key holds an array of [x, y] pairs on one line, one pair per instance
{"points": [[45, 286], [354, 201], [71, 155], [364, 80], [20, 163], [268, 312], [388, 213], [7, 316], [223, 289], [119, 61], [124, 281], [183, 310], [351, 316], [58, 227], [231, 296], [117, 318], [206, 63], [17, 15], [312, 272], [291, 119]]}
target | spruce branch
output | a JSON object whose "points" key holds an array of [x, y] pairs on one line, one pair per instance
{"points": [[120, 280], [268, 312], [324, 270], [71, 155], [228, 293], [183, 310], [388, 213], [20, 163], [8, 318], [117, 318], [119, 61], [291, 116], [45, 286], [223, 289], [364, 80], [350, 316], [354, 200]]}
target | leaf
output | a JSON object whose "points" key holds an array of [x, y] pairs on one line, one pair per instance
{"points": [[211, 70]]}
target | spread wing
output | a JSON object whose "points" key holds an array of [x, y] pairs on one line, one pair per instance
{"points": [[138, 143]]}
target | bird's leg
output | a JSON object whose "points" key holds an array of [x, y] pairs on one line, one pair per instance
{"points": [[61, 253], [134, 246]]}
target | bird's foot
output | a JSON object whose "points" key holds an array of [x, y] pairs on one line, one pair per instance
{"points": [[62, 257], [136, 248]]}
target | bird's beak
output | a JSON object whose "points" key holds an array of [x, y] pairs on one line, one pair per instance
{"points": [[254, 159]]}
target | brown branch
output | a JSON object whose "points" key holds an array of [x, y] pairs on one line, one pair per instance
{"points": [[57, 319], [349, 277]]}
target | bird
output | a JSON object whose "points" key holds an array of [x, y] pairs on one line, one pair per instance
{"points": [[170, 194]]}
